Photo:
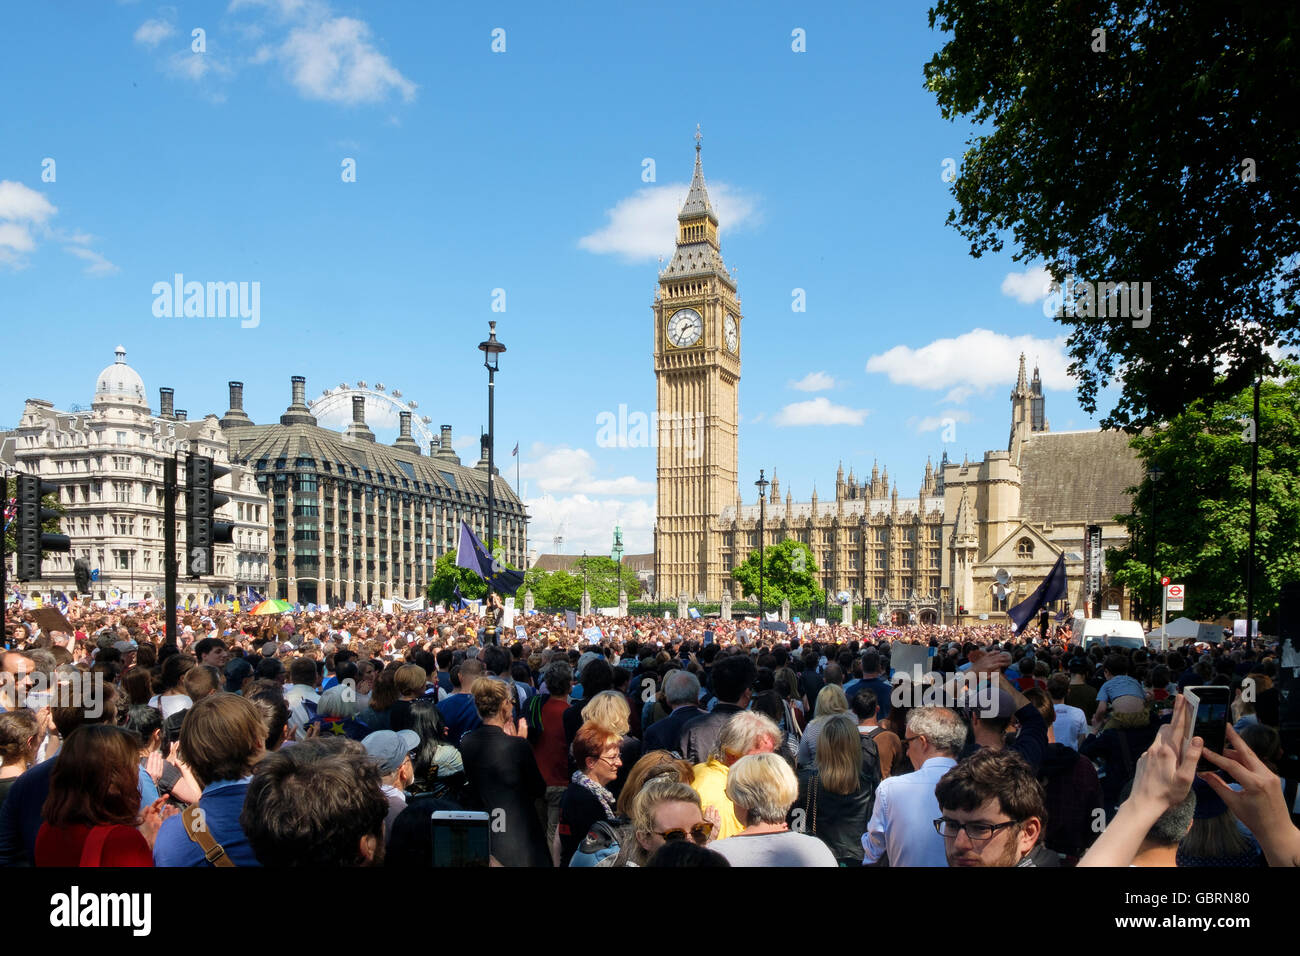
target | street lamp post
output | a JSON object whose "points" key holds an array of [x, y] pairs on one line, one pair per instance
{"points": [[1154, 476], [491, 350], [585, 596], [762, 484], [1250, 548]]}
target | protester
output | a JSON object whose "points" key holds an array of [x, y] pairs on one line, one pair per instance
{"points": [[744, 733], [901, 829], [836, 796], [316, 805], [222, 739], [587, 799], [762, 788], [92, 816], [501, 770], [992, 813], [733, 680], [20, 739], [682, 694]]}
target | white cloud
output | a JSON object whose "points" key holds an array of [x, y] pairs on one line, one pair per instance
{"points": [[25, 215], [958, 395], [334, 60], [572, 470], [153, 32], [977, 359], [1028, 286], [19, 203], [587, 523], [814, 382], [195, 66], [99, 266], [324, 57], [933, 423], [644, 225], [819, 411]]}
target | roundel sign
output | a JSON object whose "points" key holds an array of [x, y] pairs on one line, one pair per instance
{"points": [[1174, 591]]}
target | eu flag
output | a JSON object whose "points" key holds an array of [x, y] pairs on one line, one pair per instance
{"points": [[471, 554], [1052, 589]]}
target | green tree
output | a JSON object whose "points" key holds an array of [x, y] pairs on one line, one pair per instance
{"points": [[564, 588], [788, 573], [1140, 141], [1202, 504], [446, 575], [50, 525]]}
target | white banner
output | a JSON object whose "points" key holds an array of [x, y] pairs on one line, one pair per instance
{"points": [[413, 604]]}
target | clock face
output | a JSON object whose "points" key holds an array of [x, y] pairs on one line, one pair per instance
{"points": [[730, 332], [685, 328]]}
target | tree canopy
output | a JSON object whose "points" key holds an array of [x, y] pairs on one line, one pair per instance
{"points": [[1202, 504], [1140, 141], [788, 573]]}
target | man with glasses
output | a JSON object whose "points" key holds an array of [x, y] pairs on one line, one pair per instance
{"points": [[991, 812], [901, 829]]}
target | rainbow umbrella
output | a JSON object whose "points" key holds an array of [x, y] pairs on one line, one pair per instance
{"points": [[273, 606]]}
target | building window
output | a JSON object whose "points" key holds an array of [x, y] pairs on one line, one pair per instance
{"points": [[121, 559], [1025, 549]]}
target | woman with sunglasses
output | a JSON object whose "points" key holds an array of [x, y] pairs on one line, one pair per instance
{"points": [[587, 800], [667, 811]]}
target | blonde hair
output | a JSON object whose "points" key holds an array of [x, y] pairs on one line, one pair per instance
{"points": [[831, 701], [839, 755], [742, 733], [764, 786], [610, 710], [654, 795], [651, 766], [490, 695]]}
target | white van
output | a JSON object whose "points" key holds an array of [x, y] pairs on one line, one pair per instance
{"points": [[1108, 633]]}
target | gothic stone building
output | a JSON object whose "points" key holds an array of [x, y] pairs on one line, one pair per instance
{"points": [[976, 538]]}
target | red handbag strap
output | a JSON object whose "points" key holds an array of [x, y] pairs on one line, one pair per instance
{"points": [[92, 851]]}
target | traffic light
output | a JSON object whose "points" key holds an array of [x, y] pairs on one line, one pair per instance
{"points": [[201, 530], [31, 540]]}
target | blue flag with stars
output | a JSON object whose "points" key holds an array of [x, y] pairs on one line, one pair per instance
{"points": [[1052, 589], [471, 554]]}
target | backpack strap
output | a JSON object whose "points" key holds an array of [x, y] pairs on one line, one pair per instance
{"points": [[213, 851], [92, 851]]}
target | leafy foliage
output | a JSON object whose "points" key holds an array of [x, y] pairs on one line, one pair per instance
{"points": [[1202, 504], [1167, 157], [788, 573]]}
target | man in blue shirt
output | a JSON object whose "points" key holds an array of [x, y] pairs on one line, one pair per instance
{"points": [[221, 739], [872, 680], [458, 709], [1118, 684]]}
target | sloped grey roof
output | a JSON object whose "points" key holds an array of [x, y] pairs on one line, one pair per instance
{"points": [[1077, 476], [292, 442]]}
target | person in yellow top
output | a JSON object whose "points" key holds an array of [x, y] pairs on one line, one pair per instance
{"points": [[744, 733]]}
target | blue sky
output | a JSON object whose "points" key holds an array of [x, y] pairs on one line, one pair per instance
{"points": [[519, 171]]}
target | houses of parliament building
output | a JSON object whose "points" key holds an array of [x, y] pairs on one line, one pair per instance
{"points": [[974, 538]]}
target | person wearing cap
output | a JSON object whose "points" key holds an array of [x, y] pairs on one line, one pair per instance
{"points": [[390, 750], [237, 671], [989, 726]]}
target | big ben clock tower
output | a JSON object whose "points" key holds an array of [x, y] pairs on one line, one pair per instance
{"points": [[697, 337]]}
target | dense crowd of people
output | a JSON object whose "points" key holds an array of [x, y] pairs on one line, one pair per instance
{"points": [[343, 738]]}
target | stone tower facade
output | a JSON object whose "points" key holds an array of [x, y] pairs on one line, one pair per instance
{"points": [[697, 331]]}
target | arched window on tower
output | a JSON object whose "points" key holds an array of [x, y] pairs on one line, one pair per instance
{"points": [[1025, 549]]}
